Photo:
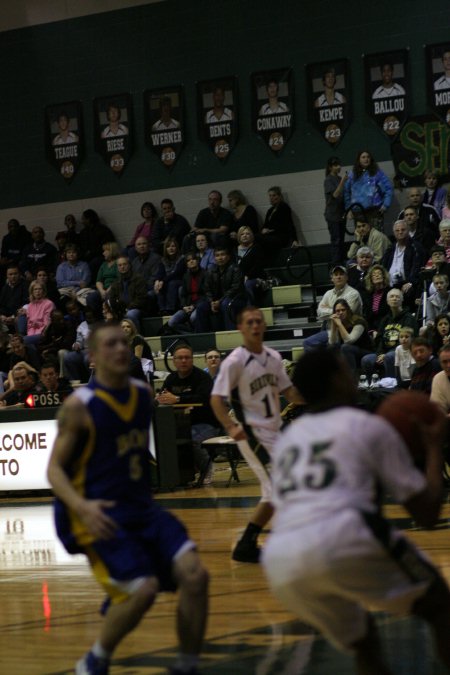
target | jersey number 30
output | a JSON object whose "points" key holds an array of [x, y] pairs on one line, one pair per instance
{"points": [[318, 473]]}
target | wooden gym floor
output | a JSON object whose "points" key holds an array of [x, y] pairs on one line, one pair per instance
{"points": [[49, 602]]}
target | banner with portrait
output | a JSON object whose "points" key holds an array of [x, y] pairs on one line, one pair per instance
{"points": [[273, 107], [217, 114], [423, 144], [164, 123], [387, 90], [438, 79], [64, 138], [113, 131], [329, 98]]}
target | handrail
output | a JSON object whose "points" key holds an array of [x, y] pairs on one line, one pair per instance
{"points": [[289, 263]]}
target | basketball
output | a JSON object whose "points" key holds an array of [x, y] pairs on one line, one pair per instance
{"points": [[405, 410]]}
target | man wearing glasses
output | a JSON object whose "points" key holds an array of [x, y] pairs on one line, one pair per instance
{"points": [[213, 359], [191, 385]]}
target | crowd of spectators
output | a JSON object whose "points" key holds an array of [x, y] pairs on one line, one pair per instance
{"points": [[199, 275]]}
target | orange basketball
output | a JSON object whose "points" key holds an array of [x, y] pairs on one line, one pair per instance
{"points": [[406, 410]]}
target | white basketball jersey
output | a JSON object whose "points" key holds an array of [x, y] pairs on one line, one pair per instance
{"points": [[252, 383], [327, 462]]}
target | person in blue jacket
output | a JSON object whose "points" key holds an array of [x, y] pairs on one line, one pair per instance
{"points": [[368, 187]]}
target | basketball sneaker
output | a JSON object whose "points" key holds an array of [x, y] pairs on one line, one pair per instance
{"points": [[246, 552], [92, 665]]}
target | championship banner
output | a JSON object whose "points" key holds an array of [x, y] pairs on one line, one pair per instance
{"points": [[64, 140], [387, 90], [113, 133], [423, 144], [217, 115], [438, 79], [164, 123], [273, 107], [329, 98]]}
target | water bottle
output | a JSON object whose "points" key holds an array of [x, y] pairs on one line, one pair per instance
{"points": [[363, 384], [375, 381]]}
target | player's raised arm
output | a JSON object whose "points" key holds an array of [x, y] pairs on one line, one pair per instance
{"points": [[73, 420]]}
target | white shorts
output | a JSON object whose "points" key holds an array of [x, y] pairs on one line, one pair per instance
{"points": [[331, 573]]}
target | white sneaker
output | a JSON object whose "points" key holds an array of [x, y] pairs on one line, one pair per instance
{"points": [[208, 479]]}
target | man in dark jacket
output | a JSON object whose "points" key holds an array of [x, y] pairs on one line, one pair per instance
{"points": [[129, 293], [38, 253], [189, 384], [403, 261], [91, 239], [224, 283], [13, 295], [170, 224]]}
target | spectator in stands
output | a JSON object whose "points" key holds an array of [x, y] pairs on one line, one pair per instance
{"points": [[278, 230], [106, 275], [366, 235], [333, 187], [13, 295], [22, 352], [139, 347], [13, 245], [426, 236], [427, 216], [128, 295], [76, 361], [439, 333], [349, 332], [440, 387], [340, 291], [426, 365], [70, 223], [404, 361], [22, 382], [38, 253], [250, 259], [192, 291], [438, 302], [244, 214], [214, 220], [146, 262], [369, 187], [437, 263], [35, 316], [92, 237], [434, 195], [190, 384], [169, 277], [387, 337], [403, 260], [213, 360], [61, 243], [50, 284], [446, 207], [374, 295], [145, 229], [357, 273], [58, 336], [444, 237], [224, 287], [50, 381], [73, 276], [170, 224], [74, 313], [4, 358], [204, 250]]}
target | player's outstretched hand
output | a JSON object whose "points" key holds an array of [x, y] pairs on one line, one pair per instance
{"points": [[96, 520]]}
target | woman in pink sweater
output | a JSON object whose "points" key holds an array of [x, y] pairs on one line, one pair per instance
{"points": [[37, 312]]}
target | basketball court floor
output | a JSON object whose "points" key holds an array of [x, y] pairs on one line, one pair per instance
{"points": [[49, 603]]}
